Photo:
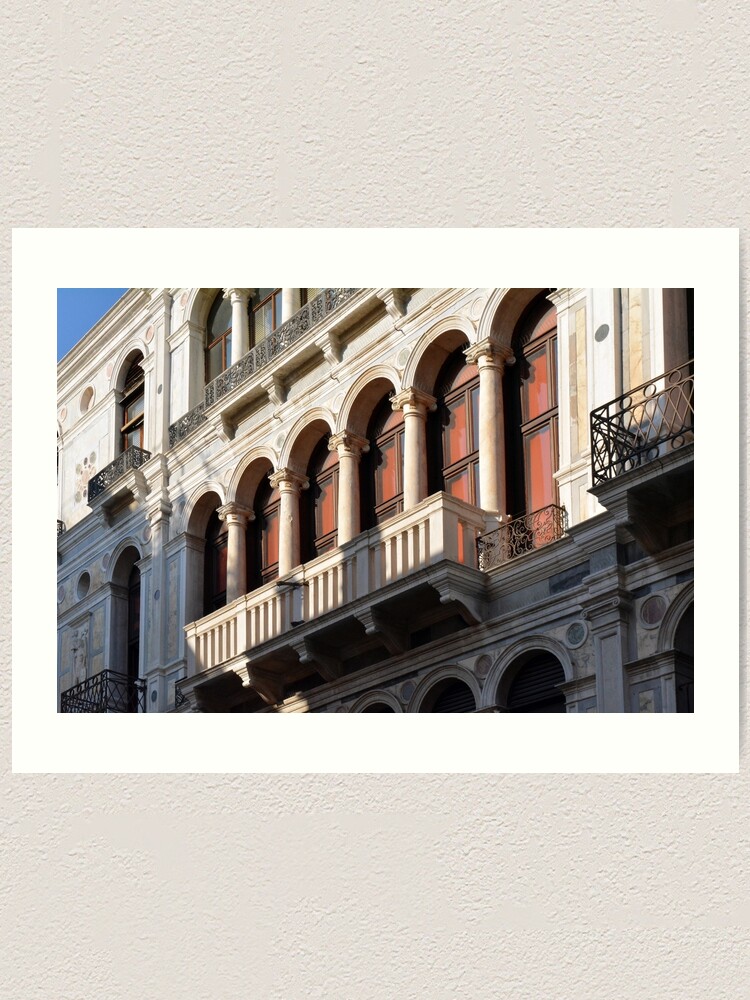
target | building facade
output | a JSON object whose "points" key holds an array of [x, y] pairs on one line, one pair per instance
{"points": [[378, 500]]}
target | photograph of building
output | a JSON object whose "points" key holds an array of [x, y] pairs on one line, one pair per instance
{"points": [[378, 500]]}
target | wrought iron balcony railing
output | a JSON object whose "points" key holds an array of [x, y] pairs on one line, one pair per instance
{"points": [[309, 316], [131, 458], [643, 424], [60, 527], [521, 535], [107, 691]]}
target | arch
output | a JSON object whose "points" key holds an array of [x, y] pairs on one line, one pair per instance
{"points": [[249, 474], [505, 664], [123, 361], [432, 349], [118, 568], [362, 397], [198, 305], [673, 617], [302, 438], [434, 677], [371, 698], [503, 311], [199, 507]]}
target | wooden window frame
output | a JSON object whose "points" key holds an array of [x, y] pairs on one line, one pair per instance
{"points": [[548, 341], [133, 392], [223, 338], [470, 461], [378, 512], [275, 298]]}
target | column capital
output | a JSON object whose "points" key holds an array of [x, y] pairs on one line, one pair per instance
{"points": [[347, 443], [235, 513], [238, 294], [413, 400], [288, 481], [489, 354]]}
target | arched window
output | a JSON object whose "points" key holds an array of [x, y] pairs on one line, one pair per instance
{"points": [[265, 313], [321, 501], [131, 429], [535, 686], [263, 537], [531, 411], [458, 418], [218, 337], [215, 565], [383, 466]]}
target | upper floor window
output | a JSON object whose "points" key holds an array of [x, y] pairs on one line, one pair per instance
{"points": [[532, 411], [131, 429], [218, 337], [383, 467], [215, 565], [458, 417], [263, 537], [265, 313], [321, 500]]}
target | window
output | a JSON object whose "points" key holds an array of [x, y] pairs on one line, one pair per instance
{"points": [[131, 429], [218, 337], [321, 501], [263, 537], [535, 687], [215, 565], [383, 466], [265, 313], [531, 417], [458, 417]]}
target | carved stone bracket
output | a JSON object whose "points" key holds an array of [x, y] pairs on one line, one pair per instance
{"points": [[323, 661], [276, 388], [395, 300], [269, 685], [391, 632]]}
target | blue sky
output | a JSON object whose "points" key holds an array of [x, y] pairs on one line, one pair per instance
{"points": [[78, 309]]}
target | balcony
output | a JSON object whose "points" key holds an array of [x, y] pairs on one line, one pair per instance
{"points": [[116, 472], [644, 424], [261, 357], [363, 601], [107, 691], [642, 458], [521, 535]]}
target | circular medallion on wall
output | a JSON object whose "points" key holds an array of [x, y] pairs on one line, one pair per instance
{"points": [[183, 299], [146, 533], [476, 308], [576, 635], [482, 666], [403, 357], [407, 691], [279, 442], [60, 595], [105, 561], [150, 334], [63, 413], [337, 403], [653, 610], [110, 369], [228, 476]]}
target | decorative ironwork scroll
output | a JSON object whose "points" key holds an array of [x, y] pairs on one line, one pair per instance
{"points": [[187, 423], [131, 458], [643, 424], [523, 534], [60, 527], [107, 691]]}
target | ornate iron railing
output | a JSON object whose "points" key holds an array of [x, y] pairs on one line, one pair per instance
{"points": [[521, 535], [60, 527], [187, 423], [107, 691], [642, 424], [282, 337], [131, 458]]}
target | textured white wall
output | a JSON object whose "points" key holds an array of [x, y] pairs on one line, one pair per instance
{"points": [[125, 114]]}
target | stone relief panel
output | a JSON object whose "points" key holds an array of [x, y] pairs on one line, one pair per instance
{"points": [[173, 581], [85, 469]]}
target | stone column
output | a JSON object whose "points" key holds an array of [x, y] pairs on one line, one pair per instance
{"points": [[290, 302], [289, 484], [236, 518], [240, 323], [350, 448], [491, 360], [415, 403]]}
